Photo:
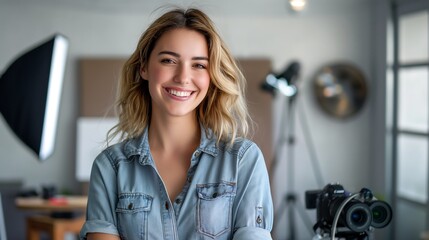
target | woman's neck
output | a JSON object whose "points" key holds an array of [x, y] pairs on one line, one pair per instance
{"points": [[174, 134]]}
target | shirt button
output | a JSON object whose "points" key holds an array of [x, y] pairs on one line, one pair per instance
{"points": [[189, 179], [197, 153], [130, 206], [178, 201], [214, 195], [259, 220]]}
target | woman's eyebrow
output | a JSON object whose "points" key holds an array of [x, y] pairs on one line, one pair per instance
{"points": [[178, 55], [169, 53], [200, 58]]}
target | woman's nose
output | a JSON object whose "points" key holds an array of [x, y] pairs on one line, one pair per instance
{"points": [[183, 74]]}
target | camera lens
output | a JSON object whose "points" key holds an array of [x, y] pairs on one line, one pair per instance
{"points": [[357, 216], [381, 214]]}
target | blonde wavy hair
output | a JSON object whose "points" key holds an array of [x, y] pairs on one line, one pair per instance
{"points": [[223, 110]]}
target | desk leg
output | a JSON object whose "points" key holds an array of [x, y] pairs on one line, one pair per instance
{"points": [[57, 233], [32, 233], [55, 227]]}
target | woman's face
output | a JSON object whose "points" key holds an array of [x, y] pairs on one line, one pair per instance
{"points": [[177, 72]]}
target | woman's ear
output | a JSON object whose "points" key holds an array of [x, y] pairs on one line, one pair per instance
{"points": [[143, 72]]}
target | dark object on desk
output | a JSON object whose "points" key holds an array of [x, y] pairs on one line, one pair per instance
{"points": [[66, 215], [28, 193], [30, 91], [48, 191]]}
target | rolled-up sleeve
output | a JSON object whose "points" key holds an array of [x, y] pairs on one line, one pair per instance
{"points": [[254, 207], [251, 233], [100, 213]]}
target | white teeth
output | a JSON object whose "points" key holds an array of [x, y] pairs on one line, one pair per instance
{"points": [[179, 93]]}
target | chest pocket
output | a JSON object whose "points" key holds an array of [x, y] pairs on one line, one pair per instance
{"points": [[214, 208], [132, 212]]}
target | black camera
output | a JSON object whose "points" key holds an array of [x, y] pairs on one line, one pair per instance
{"points": [[356, 213]]}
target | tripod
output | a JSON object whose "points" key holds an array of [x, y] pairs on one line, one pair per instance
{"points": [[287, 135], [346, 235]]}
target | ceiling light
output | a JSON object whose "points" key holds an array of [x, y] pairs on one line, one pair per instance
{"points": [[298, 5]]}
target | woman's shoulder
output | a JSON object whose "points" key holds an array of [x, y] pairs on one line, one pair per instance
{"points": [[241, 146], [243, 142], [122, 151]]}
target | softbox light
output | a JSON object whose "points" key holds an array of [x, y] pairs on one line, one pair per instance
{"points": [[30, 91]]}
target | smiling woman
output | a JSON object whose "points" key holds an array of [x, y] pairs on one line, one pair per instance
{"points": [[184, 156]]}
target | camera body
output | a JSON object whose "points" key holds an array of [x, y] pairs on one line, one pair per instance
{"points": [[357, 214]]}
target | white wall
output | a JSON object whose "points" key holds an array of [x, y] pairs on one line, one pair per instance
{"points": [[330, 30]]}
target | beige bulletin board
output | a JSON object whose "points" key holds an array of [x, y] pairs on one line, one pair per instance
{"points": [[98, 84]]}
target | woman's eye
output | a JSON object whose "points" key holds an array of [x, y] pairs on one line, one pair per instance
{"points": [[167, 60], [200, 66]]}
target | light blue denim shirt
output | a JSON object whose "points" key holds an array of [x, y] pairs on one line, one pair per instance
{"points": [[226, 196]]}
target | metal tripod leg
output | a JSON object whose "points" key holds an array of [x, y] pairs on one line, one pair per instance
{"points": [[290, 203]]}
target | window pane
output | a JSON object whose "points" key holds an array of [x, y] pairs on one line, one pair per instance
{"points": [[413, 37], [389, 44], [412, 167], [389, 98], [413, 99]]}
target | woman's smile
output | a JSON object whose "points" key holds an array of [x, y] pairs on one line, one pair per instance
{"points": [[177, 93]]}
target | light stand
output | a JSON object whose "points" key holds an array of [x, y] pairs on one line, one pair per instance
{"points": [[289, 201], [284, 84]]}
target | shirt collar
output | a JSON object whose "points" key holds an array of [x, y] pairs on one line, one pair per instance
{"points": [[140, 145]]}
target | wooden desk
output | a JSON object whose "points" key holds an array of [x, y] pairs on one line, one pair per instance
{"points": [[60, 204], [55, 227]]}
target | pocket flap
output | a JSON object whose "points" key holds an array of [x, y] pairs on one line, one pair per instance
{"points": [[133, 202], [215, 190]]}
